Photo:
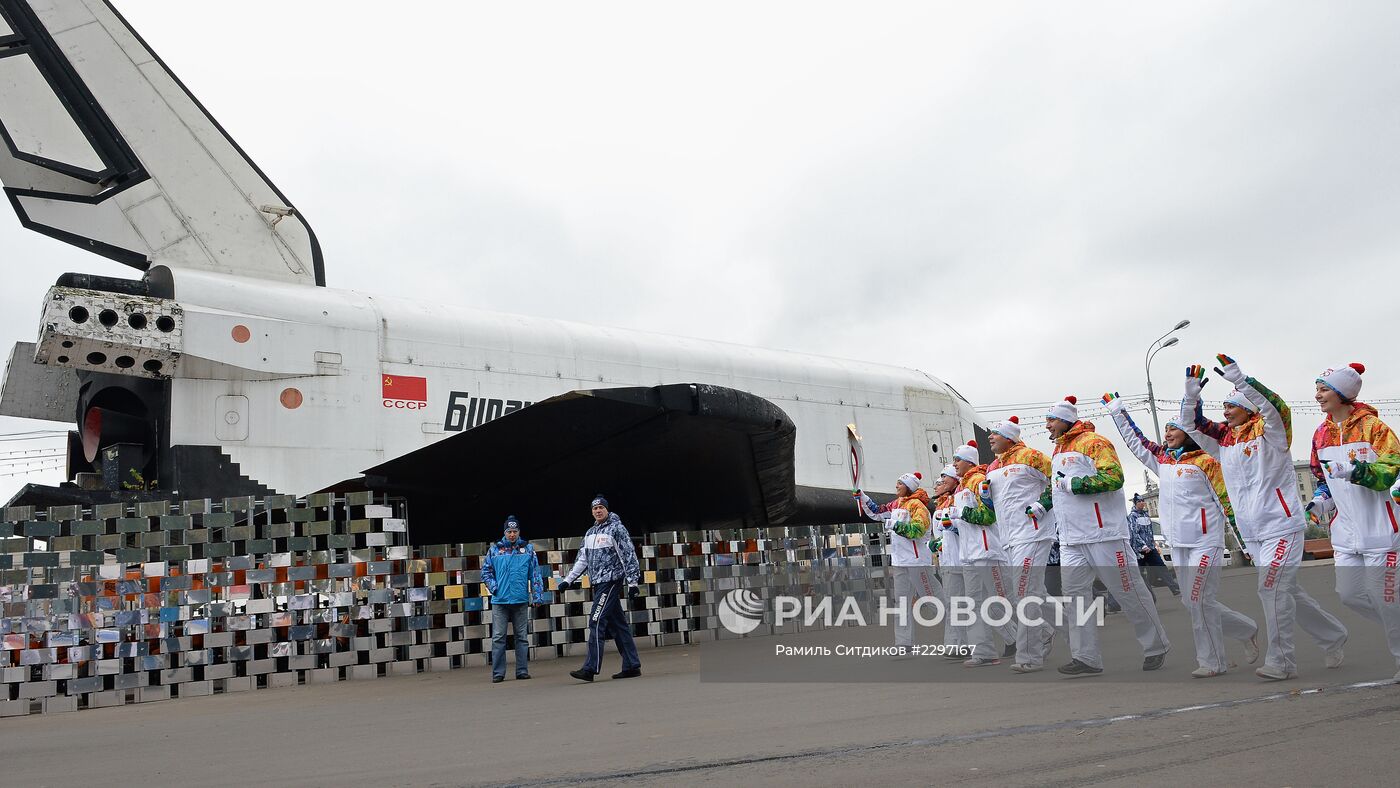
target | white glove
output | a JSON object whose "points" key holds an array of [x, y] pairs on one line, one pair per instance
{"points": [[1339, 470], [1061, 483], [889, 527], [1036, 510], [1320, 509], [1231, 370], [1194, 385]]}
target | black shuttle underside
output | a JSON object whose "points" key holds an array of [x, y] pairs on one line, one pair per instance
{"points": [[723, 458]]}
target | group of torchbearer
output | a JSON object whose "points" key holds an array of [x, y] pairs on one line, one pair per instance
{"points": [[994, 527]]}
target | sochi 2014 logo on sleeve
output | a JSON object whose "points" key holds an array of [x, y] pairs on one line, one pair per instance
{"points": [[405, 392]]}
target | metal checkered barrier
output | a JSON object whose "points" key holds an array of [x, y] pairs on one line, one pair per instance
{"points": [[127, 603]]}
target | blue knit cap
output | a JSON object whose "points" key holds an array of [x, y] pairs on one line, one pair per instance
{"points": [[599, 500]]}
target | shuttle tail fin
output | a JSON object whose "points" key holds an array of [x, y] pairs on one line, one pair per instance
{"points": [[105, 149]]}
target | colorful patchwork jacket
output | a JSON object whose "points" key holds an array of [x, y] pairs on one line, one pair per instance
{"points": [[978, 539], [946, 533], [1086, 490], [1367, 517], [909, 526], [1015, 479]]}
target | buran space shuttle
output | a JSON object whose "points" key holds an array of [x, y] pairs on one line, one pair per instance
{"points": [[230, 368]]}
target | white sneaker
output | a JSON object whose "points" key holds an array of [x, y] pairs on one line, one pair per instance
{"points": [[981, 662], [1206, 673], [1274, 674], [1334, 658], [1251, 649], [1021, 667]]}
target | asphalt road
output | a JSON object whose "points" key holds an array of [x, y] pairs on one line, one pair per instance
{"points": [[1329, 727]]}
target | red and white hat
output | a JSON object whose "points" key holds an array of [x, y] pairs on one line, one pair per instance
{"points": [[1065, 411], [1346, 381], [967, 452], [913, 480], [1009, 429]]}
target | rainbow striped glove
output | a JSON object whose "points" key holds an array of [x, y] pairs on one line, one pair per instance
{"points": [[984, 491], [1113, 402], [1229, 370], [1195, 380]]}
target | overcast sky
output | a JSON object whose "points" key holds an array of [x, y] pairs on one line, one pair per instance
{"points": [[1016, 198]]}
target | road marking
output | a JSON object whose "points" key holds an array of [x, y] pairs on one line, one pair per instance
{"points": [[960, 738]]}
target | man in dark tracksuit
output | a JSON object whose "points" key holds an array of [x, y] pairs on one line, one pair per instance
{"points": [[1149, 558], [610, 561]]}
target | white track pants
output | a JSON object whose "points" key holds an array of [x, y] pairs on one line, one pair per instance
{"points": [[985, 580], [910, 584], [1198, 573], [954, 585], [1366, 583], [1027, 579], [1285, 602], [1116, 565]]}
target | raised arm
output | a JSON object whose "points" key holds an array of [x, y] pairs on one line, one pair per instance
{"points": [[1145, 450], [1206, 433], [1278, 419]]}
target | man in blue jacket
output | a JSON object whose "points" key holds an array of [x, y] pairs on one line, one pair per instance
{"points": [[512, 575], [610, 561]]}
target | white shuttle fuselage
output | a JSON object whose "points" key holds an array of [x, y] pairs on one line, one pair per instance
{"points": [[307, 386]]}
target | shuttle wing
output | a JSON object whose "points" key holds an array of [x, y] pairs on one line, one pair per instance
{"points": [[722, 456], [105, 149]]}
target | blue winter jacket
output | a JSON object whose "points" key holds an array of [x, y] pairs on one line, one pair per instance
{"points": [[512, 573]]}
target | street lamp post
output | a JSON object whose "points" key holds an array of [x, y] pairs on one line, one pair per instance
{"points": [[1152, 350]]}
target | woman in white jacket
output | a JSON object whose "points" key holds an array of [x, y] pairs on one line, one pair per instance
{"points": [[1356, 459], [1195, 511], [1253, 445], [907, 523]]}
